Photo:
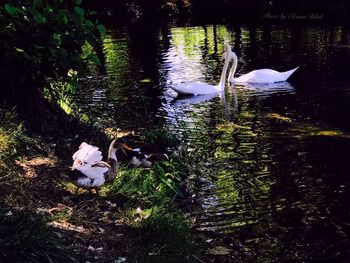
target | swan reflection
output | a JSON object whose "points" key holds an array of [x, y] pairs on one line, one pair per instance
{"points": [[266, 89]]}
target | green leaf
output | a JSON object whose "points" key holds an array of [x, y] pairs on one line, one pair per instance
{"points": [[64, 15], [63, 12], [167, 181], [22, 10], [78, 10], [89, 24], [94, 58], [39, 18], [146, 80], [48, 9], [101, 28], [10, 9], [65, 20], [56, 40]]}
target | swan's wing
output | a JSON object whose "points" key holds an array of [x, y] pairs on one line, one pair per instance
{"points": [[87, 154], [83, 147], [94, 171], [75, 155], [265, 76], [259, 76]]}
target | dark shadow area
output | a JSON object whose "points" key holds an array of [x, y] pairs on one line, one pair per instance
{"points": [[209, 11]]}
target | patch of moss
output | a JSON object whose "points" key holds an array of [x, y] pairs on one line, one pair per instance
{"points": [[279, 118]]}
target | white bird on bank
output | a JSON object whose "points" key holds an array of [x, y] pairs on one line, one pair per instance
{"points": [[88, 169], [199, 88], [263, 76], [86, 154]]}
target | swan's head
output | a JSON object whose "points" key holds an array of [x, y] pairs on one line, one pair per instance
{"points": [[226, 47], [227, 52]]}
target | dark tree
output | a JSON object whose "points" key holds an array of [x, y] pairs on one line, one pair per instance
{"points": [[41, 41]]}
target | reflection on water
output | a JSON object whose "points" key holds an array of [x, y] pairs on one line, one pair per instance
{"points": [[268, 88], [192, 100], [272, 161]]}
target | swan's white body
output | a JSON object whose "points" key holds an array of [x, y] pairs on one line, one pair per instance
{"points": [[87, 154], [263, 76], [92, 177], [198, 88], [88, 169]]}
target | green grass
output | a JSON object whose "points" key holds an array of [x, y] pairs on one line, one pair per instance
{"points": [[163, 232], [165, 236], [151, 185], [161, 137], [24, 236], [11, 136], [159, 231]]}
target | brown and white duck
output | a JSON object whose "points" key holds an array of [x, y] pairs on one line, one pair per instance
{"points": [[88, 169], [135, 156], [143, 156]]}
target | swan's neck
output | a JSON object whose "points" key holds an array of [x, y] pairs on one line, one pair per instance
{"points": [[112, 152], [233, 68], [112, 161], [221, 84]]}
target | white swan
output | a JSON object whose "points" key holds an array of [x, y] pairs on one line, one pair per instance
{"points": [[198, 88], [263, 76]]}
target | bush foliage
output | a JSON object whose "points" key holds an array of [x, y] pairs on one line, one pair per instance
{"points": [[41, 40]]}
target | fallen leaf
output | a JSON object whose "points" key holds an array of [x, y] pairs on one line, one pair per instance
{"points": [[219, 250]]}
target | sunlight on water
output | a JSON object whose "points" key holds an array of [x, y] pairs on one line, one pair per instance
{"points": [[271, 161]]}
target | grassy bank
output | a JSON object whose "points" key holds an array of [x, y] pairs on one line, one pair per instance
{"points": [[24, 234], [43, 219]]}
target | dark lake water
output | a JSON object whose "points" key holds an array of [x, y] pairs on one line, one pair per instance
{"points": [[273, 163]]}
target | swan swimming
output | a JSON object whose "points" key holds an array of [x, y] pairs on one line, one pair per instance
{"points": [[263, 76], [199, 88]]}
